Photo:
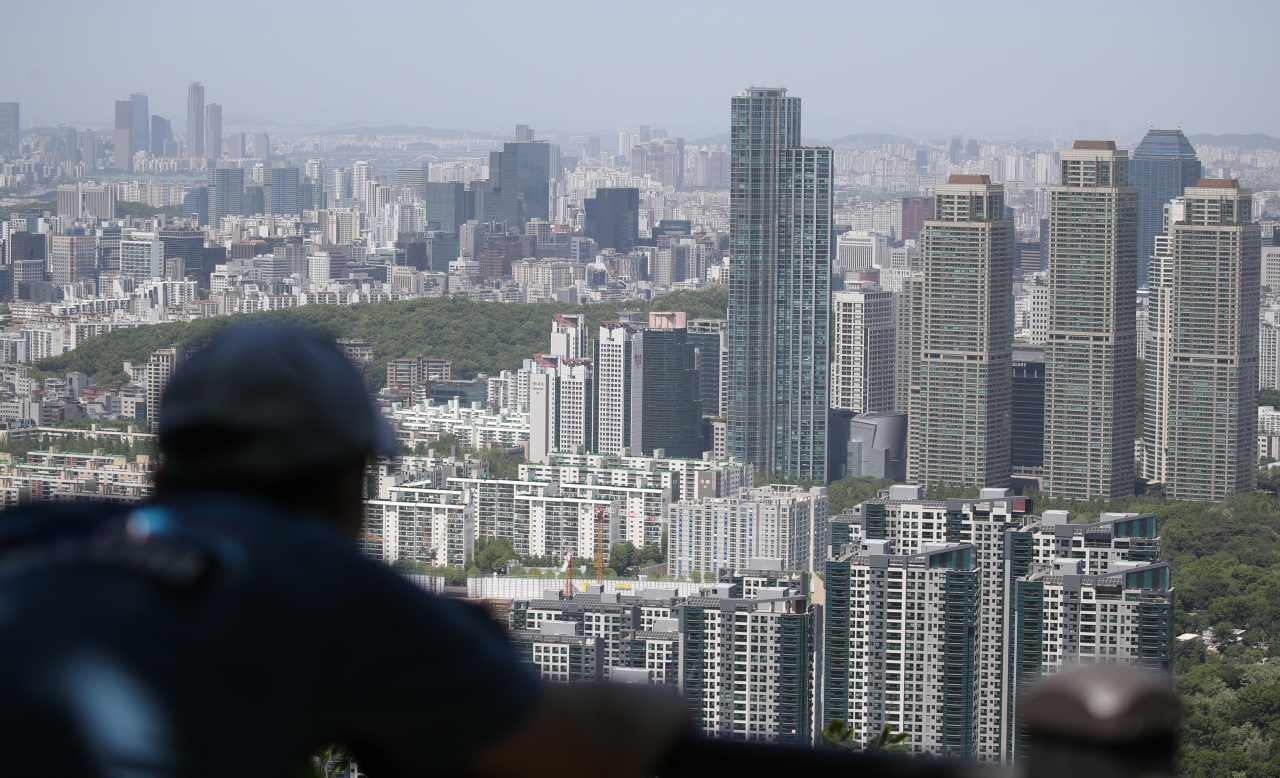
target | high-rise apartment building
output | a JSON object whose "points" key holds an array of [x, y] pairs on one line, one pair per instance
{"points": [[612, 217], [779, 283], [962, 338], [160, 369], [1162, 166], [562, 405], [195, 120], [619, 370], [124, 136], [1091, 350], [569, 335], [865, 353], [1202, 345], [942, 614], [661, 160], [140, 130]]}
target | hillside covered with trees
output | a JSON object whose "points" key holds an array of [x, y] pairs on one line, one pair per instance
{"points": [[476, 337]]}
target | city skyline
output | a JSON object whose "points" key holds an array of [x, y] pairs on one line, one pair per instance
{"points": [[685, 105]]}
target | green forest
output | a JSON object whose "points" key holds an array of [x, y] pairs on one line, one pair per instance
{"points": [[477, 337]]}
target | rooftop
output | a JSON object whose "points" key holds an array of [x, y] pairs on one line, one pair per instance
{"points": [[959, 178], [1095, 145], [1218, 183]]}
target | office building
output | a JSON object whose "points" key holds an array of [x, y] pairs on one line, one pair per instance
{"points": [[140, 131], [915, 211], [213, 131], [786, 522], [195, 120], [569, 335], [123, 154], [1091, 351], [1026, 418], [161, 137], [865, 354], [226, 194], [867, 444], [612, 218], [1202, 347], [562, 403], [142, 256], [10, 128], [284, 198], [524, 133], [236, 145], [518, 188], [779, 280], [910, 582], [619, 387], [184, 256], [962, 337], [1162, 166], [708, 338], [499, 253], [445, 203], [672, 413], [860, 248], [73, 258], [262, 146], [195, 205]]}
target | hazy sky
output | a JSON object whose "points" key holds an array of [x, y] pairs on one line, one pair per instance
{"points": [[923, 69]]}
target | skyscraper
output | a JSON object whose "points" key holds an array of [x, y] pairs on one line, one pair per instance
{"points": [[1163, 165], [195, 120], [862, 369], [124, 135], [10, 127], [226, 193], [161, 133], [779, 281], [524, 133], [1202, 345], [141, 137], [73, 257], [613, 217], [1091, 352], [962, 344], [445, 202], [518, 185], [213, 131], [261, 146]]}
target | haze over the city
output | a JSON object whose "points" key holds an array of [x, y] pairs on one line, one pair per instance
{"points": [[995, 69]]}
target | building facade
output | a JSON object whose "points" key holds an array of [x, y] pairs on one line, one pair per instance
{"points": [[1090, 349], [779, 281], [962, 338], [1162, 166], [866, 349], [1202, 347]]}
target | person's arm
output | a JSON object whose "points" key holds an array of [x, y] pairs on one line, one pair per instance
{"points": [[597, 730]]}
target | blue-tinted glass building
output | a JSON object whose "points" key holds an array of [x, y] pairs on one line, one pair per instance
{"points": [[1162, 165]]}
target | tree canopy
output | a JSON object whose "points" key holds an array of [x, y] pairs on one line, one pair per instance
{"points": [[475, 336]]}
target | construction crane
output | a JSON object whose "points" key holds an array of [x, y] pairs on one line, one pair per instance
{"points": [[568, 573], [425, 545]]}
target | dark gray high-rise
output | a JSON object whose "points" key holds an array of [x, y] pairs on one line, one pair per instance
{"points": [[161, 133], [672, 412], [1162, 166], [141, 137], [613, 217], [285, 191], [195, 120], [779, 288], [10, 128], [518, 185], [445, 203], [226, 193]]}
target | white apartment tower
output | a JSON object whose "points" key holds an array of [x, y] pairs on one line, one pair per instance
{"points": [[619, 368], [569, 335], [862, 366], [962, 343], [1202, 346], [1090, 351]]}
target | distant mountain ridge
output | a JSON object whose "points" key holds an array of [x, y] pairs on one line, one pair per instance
{"points": [[1251, 142]]}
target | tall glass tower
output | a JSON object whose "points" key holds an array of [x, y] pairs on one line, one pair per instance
{"points": [[779, 285], [1162, 166]]}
